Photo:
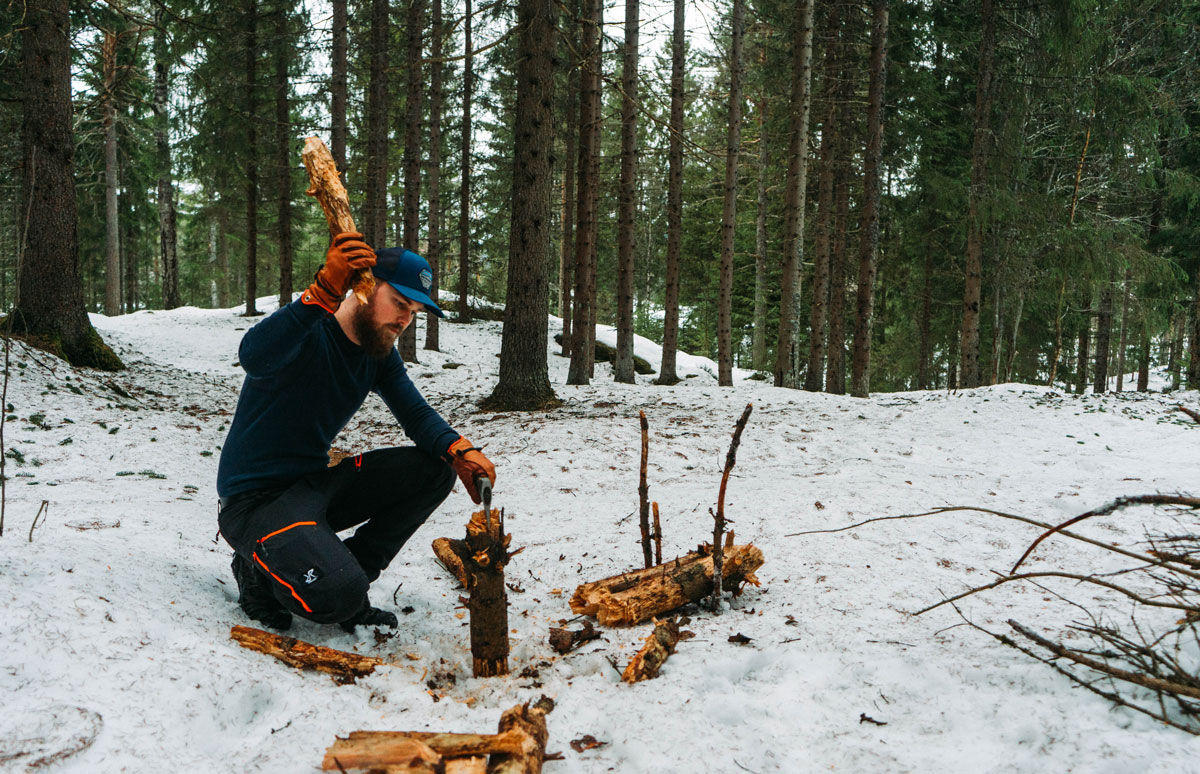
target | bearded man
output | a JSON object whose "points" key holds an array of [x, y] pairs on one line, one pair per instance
{"points": [[309, 367]]}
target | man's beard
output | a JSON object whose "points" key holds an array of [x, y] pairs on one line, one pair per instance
{"points": [[375, 340]]}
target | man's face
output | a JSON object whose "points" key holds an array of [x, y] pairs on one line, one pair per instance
{"points": [[378, 324]]}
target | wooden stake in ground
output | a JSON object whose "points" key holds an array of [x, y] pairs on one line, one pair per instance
{"points": [[644, 493], [719, 516], [635, 597], [518, 748], [303, 655], [325, 185], [657, 535], [659, 645]]}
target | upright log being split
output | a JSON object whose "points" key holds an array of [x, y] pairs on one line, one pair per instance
{"points": [[478, 562]]}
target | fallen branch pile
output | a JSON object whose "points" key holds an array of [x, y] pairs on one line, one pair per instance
{"points": [[1147, 665]]}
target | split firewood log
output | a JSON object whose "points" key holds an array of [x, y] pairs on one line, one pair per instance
{"points": [[519, 746], [304, 655], [635, 597], [450, 553], [659, 645], [325, 185]]}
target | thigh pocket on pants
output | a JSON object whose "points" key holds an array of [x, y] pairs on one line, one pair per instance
{"points": [[309, 562]]}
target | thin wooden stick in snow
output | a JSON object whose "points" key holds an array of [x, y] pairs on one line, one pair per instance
{"points": [[719, 516], [644, 493]]}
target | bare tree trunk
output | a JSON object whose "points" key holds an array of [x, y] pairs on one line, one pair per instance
{"points": [[464, 190], [1103, 336], [1143, 382], [868, 250], [251, 109], [1058, 333], [337, 88], [666, 372], [1193, 372], [1081, 369], [1016, 327], [835, 369], [284, 150], [524, 381], [972, 290], [413, 111], [733, 146], [627, 199], [112, 221], [434, 226], [952, 365], [566, 261], [50, 307], [130, 264], [924, 343], [374, 221], [1175, 359], [758, 328], [166, 183], [787, 346], [583, 330], [997, 331], [1124, 340], [814, 378]]}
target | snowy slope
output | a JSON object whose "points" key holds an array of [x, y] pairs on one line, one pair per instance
{"points": [[117, 613]]}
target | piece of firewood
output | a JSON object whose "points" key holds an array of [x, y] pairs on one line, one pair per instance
{"points": [[634, 597], [303, 655], [397, 752], [565, 640], [373, 749], [449, 553], [519, 746], [659, 645], [529, 722], [325, 185]]}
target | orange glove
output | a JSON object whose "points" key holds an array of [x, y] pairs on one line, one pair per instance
{"points": [[470, 463], [347, 254]]}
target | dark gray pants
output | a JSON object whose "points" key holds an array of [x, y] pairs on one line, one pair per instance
{"points": [[289, 534]]}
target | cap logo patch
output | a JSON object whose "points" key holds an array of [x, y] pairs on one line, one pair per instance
{"points": [[426, 279]]}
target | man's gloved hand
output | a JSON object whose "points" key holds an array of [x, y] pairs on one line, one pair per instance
{"points": [[470, 463], [347, 254]]}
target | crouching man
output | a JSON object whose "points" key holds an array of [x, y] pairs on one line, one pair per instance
{"points": [[309, 367]]}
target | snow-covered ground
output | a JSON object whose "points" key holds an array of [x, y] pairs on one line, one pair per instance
{"points": [[117, 605]]}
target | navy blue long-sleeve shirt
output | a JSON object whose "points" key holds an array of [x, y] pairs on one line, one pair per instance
{"points": [[304, 380]]}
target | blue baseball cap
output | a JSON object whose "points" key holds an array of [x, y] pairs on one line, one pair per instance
{"points": [[408, 273]]}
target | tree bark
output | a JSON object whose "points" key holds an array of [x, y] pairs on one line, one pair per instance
{"points": [[758, 332], [654, 653], [814, 378], [524, 382], [1103, 337], [1193, 371], [434, 225], [413, 113], [283, 149], [49, 310], [166, 183], [112, 221], [969, 345], [733, 147], [1081, 370], [337, 87], [835, 368], [1143, 382], [787, 345], [632, 598], [377, 104], [627, 199], [464, 189], [570, 131], [250, 108], [924, 338], [582, 326], [1123, 339], [868, 250], [666, 371]]}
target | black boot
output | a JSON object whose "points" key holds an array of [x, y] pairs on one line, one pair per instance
{"points": [[369, 616], [255, 597]]}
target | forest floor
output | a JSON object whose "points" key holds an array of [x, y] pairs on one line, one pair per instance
{"points": [[117, 604]]}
